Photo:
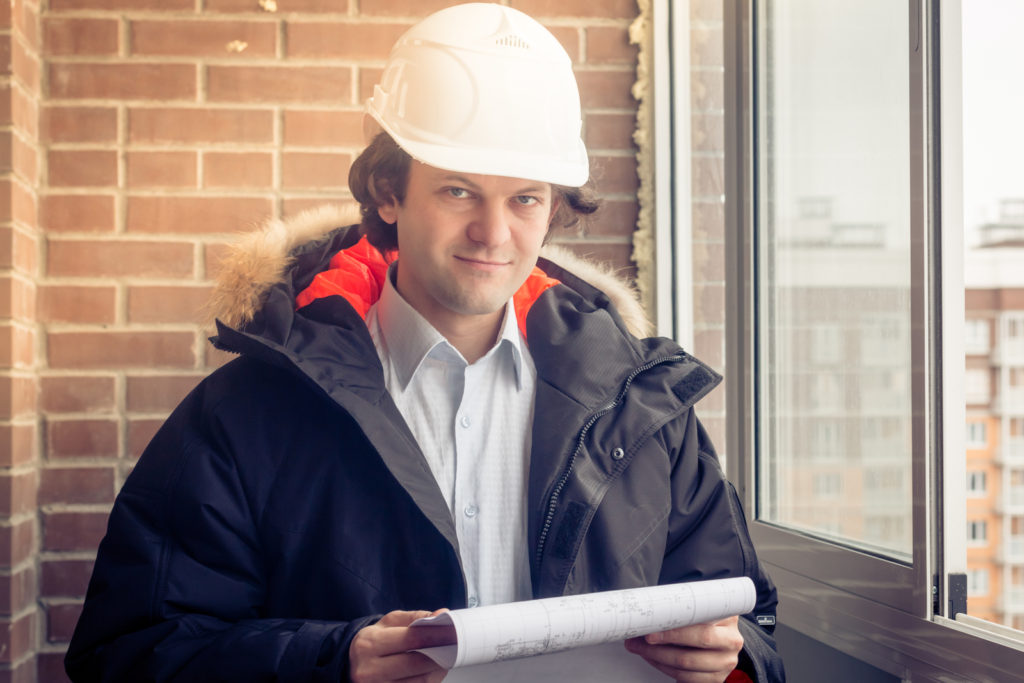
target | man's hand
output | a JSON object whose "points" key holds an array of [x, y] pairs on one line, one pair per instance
{"points": [[380, 652], [702, 653]]}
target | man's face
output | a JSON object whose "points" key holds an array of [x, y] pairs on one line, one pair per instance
{"points": [[466, 241]]}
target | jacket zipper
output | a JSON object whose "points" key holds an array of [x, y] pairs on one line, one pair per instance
{"points": [[564, 479]]}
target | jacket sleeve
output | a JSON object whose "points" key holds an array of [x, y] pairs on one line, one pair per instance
{"points": [[177, 589], [708, 538]]}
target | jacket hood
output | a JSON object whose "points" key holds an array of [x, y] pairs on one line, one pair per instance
{"points": [[259, 260]]}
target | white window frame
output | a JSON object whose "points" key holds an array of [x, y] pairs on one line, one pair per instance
{"points": [[977, 434]]}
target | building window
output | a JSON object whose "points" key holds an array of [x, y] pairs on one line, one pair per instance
{"points": [[977, 435], [976, 385], [977, 583], [976, 336], [977, 532], [976, 484]]}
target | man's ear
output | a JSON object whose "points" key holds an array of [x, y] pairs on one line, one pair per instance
{"points": [[388, 212]]}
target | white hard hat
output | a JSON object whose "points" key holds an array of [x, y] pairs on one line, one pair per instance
{"points": [[482, 88]]}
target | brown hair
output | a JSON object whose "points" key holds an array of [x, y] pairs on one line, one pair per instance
{"points": [[381, 173]]}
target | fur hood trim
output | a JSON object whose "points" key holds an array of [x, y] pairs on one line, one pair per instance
{"points": [[259, 260]]}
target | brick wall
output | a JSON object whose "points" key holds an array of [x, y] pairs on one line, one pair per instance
{"points": [[137, 137]]}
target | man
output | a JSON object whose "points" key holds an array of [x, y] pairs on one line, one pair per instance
{"points": [[420, 418]]}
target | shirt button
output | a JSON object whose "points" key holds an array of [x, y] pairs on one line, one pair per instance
{"points": [[473, 602], [465, 421], [470, 510]]}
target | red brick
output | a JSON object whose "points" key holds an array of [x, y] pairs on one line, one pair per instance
{"points": [[22, 257], [369, 76], [76, 485], [615, 218], [343, 39], [5, 196], [303, 84], [60, 621], [17, 444], [606, 89], [17, 493], [24, 113], [82, 168], [200, 125], [134, 5], [50, 668], [17, 639], [161, 169], [96, 438], [79, 36], [140, 433], [279, 6], [17, 591], [79, 124], [204, 38], [158, 393], [64, 578], [77, 304], [26, 64], [603, 9], [25, 161], [98, 350], [614, 175], [213, 254], [610, 45], [71, 531], [311, 170], [323, 128], [69, 394], [194, 215], [122, 81], [238, 169], [167, 304], [25, 21], [24, 204], [77, 213], [411, 8], [17, 396], [17, 346], [17, 542], [17, 298], [88, 258]]}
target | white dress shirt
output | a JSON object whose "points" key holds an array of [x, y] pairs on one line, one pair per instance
{"points": [[473, 424]]}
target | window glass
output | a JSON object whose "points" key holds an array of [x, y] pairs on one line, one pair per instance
{"points": [[993, 200], [834, 322], [976, 484]]}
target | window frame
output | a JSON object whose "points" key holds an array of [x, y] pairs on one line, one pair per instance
{"points": [[896, 617]]}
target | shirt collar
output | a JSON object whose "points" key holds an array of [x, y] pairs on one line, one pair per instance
{"points": [[410, 338]]}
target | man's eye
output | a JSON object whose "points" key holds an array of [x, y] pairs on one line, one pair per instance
{"points": [[527, 200], [458, 192]]}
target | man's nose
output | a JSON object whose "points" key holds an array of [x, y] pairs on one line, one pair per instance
{"points": [[490, 225]]}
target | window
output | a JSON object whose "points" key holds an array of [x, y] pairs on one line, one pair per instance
{"points": [[976, 484], [976, 339], [837, 306], [977, 532], [977, 435], [976, 382], [845, 225], [977, 583]]}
